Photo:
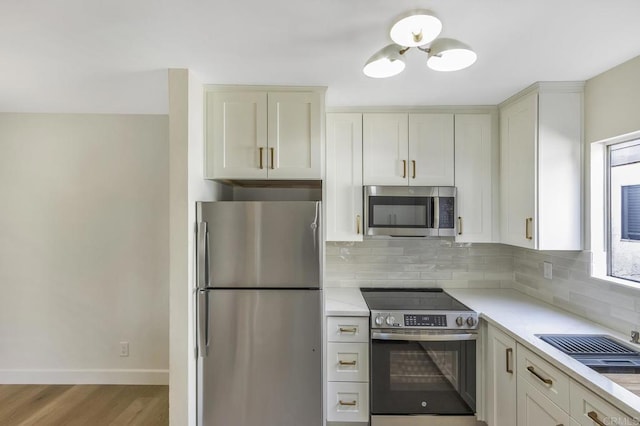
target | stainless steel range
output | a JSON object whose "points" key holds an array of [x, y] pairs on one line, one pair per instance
{"points": [[423, 358]]}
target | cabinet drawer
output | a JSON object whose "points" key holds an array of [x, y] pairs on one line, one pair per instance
{"points": [[550, 381], [586, 407], [348, 329], [347, 402], [347, 362]]}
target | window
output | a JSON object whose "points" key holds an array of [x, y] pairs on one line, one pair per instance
{"points": [[623, 232]]}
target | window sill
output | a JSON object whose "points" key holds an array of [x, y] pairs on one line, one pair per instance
{"points": [[617, 281]]}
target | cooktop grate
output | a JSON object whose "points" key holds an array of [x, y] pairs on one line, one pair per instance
{"points": [[587, 344]]}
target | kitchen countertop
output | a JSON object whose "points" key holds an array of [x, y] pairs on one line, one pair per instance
{"points": [[345, 302], [523, 317]]}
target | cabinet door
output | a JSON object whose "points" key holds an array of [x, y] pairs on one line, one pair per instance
{"points": [[535, 409], [518, 135], [501, 378], [385, 149], [236, 135], [431, 149], [587, 407], [343, 179], [295, 147], [474, 155]]}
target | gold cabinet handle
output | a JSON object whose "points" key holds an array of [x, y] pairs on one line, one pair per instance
{"points": [[348, 330], [351, 403], [542, 379], [404, 168], [346, 362], [528, 224], [358, 224], [272, 153], [509, 357], [459, 225], [594, 416], [413, 162], [261, 165]]}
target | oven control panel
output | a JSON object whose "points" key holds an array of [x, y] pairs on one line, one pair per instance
{"points": [[434, 320]]}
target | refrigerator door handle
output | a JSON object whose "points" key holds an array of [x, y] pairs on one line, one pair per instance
{"points": [[315, 226], [202, 259], [203, 323]]}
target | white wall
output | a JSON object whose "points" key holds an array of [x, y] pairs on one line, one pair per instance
{"points": [[84, 248], [612, 102], [186, 115]]}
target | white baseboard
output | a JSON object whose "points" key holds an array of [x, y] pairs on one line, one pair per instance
{"points": [[85, 377]]}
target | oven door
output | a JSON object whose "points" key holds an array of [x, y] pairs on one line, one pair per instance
{"points": [[431, 374]]}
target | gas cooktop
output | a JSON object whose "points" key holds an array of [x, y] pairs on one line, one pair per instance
{"points": [[417, 308]]}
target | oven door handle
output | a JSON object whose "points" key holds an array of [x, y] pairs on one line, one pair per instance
{"points": [[377, 335]]}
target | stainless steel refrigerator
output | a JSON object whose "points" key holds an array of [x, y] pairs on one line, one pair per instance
{"points": [[259, 299]]}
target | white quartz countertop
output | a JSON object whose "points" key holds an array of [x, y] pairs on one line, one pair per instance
{"points": [[524, 317], [346, 302]]}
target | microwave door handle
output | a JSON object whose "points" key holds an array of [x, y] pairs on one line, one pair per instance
{"points": [[436, 212]]}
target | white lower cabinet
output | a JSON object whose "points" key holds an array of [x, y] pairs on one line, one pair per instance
{"points": [[347, 402], [530, 391], [588, 409], [347, 367], [500, 374], [535, 409]]}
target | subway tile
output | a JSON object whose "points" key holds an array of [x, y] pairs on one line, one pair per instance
{"points": [[467, 275], [387, 251], [404, 275], [435, 275]]}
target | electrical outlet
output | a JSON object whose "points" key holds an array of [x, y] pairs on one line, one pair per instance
{"points": [[124, 348], [548, 270]]}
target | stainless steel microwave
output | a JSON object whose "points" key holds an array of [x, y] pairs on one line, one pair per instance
{"points": [[410, 211]]}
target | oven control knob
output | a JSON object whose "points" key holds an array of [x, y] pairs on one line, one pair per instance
{"points": [[379, 320], [390, 320], [471, 321], [460, 321]]}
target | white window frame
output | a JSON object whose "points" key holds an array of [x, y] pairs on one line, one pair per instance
{"points": [[599, 212]]}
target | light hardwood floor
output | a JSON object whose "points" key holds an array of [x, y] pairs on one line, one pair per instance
{"points": [[83, 405]]}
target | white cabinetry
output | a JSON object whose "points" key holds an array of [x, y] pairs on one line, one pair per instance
{"points": [[587, 409], [541, 168], [476, 152], [347, 369], [343, 177], [500, 374], [408, 149], [254, 133]]}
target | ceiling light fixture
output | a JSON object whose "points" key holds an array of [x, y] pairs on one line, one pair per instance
{"points": [[418, 29]]}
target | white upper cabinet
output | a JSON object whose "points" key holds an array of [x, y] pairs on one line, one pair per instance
{"points": [[476, 153], [343, 177], [541, 168], [431, 149], [386, 148], [408, 149], [263, 134]]}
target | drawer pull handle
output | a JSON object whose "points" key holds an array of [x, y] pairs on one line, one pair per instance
{"points": [[348, 330], [261, 165], [404, 168], [542, 379], [594, 416], [414, 168], [459, 225], [351, 403], [509, 357], [272, 162], [346, 362]]}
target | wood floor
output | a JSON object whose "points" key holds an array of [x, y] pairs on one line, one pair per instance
{"points": [[83, 405]]}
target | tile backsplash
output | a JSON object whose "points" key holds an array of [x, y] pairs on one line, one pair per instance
{"points": [[406, 262], [441, 262], [572, 288]]}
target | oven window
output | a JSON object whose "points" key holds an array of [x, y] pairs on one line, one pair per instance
{"points": [[423, 377], [400, 212]]}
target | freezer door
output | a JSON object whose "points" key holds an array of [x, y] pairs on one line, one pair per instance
{"points": [[264, 362], [260, 244]]}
